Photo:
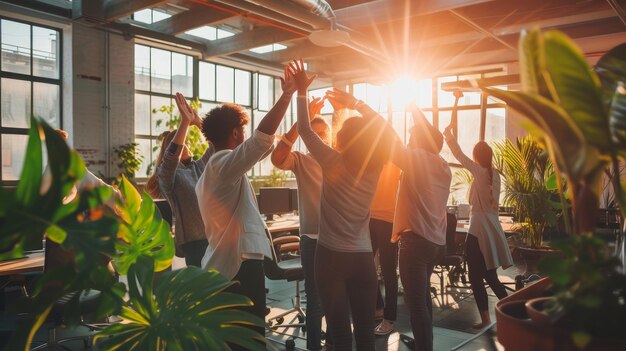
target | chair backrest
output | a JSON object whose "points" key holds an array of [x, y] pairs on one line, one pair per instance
{"points": [[165, 209], [451, 245], [272, 270]]}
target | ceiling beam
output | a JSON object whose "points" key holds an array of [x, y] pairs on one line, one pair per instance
{"points": [[480, 29], [618, 7], [248, 40], [114, 9], [129, 30], [193, 18], [383, 11], [305, 50]]}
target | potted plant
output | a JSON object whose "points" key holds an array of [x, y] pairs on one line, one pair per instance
{"points": [[527, 172], [580, 116], [186, 309]]}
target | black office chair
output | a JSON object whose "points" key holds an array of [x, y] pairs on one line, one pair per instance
{"points": [[55, 256], [289, 270], [452, 264]]}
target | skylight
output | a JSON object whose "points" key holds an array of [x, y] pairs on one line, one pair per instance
{"points": [[268, 48], [210, 33], [150, 16]]}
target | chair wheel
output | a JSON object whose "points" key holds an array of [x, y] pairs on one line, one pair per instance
{"points": [[280, 320], [290, 344], [300, 319]]}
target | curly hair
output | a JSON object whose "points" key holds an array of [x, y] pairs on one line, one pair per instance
{"points": [[218, 123]]}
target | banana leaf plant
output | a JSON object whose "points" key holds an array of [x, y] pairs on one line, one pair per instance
{"points": [[186, 307], [579, 114]]}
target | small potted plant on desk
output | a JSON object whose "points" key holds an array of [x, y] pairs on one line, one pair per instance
{"points": [[579, 114]]}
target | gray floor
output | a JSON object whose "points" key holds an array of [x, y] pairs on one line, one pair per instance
{"points": [[452, 321]]}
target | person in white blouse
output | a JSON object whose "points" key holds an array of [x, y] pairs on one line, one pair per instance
{"points": [[486, 246], [233, 225]]}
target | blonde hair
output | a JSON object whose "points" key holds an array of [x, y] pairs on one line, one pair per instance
{"points": [[152, 185]]}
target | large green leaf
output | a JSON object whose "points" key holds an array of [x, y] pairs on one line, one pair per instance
{"points": [[564, 139], [143, 232], [576, 88], [617, 117], [186, 309], [531, 60], [611, 69]]}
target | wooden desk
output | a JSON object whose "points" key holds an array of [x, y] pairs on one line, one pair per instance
{"points": [[284, 224], [33, 262]]}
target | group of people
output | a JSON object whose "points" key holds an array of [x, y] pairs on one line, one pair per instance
{"points": [[361, 191]]}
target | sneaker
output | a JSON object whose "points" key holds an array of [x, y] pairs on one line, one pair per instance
{"points": [[384, 328]]}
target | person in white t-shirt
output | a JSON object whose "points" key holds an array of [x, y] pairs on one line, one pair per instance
{"points": [[233, 225]]}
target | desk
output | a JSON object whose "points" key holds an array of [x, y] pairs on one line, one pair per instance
{"points": [[33, 262], [286, 223]]}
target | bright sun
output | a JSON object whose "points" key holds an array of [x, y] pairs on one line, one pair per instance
{"points": [[404, 91]]}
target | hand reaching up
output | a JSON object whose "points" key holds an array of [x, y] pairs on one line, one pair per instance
{"points": [[315, 106], [187, 114], [340, 99], [302, 80], [447, 133], [288, 83]]}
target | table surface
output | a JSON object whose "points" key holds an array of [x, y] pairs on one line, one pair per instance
{"points": [[33, 262], [284, 223]]}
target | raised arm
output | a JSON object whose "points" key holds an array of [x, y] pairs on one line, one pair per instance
{"points": [[465, 161], [320, 151], [282, 157], [269, 124]]}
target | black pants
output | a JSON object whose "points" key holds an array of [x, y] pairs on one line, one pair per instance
{"points": [[346, 283], [313, 305], [418, 257], [380, 232], [251, 278], [194, 251], [478, 272]]}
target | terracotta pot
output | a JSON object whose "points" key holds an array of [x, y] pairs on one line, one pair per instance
{"points": [[535, 308]]}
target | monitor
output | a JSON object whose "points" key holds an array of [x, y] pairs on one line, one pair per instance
{"points": [[274, 201]]}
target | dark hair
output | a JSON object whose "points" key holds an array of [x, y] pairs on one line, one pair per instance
{"points": [[427, 138], [483, 154], [218, 123], [365, 143]]}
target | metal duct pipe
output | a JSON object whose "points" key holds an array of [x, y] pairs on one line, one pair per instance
{"points": [[319, 7], [267, 13], [295, 11]]}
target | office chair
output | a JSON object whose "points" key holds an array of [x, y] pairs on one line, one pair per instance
{"points": [[55, 256], [452, 264], [289, 270]]}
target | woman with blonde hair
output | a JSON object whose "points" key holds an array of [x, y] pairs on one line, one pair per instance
{"points": [[175, 179]]}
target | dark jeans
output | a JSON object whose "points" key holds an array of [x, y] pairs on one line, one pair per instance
{"points": [[478, 272], [380, 232], [251, 278], [346, 282], [313, 305], [418, 257], [194, 251]]}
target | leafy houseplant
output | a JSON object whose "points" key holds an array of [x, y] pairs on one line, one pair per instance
{"points": [[527, 170], [194, 141], [186, 309], [130, 159], [580, 116]]}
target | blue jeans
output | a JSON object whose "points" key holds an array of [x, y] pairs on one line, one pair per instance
{"points": [[418, 257], [314, 311]]}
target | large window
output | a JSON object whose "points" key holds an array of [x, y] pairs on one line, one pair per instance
{"points": [[30, 84], [159, 75]]}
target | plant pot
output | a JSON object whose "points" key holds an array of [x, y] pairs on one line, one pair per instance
{"points": [[523, 324], [532, 257], [536, 310]]}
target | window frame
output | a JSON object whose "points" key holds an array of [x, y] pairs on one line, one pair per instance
{"points": [[32, 79]]}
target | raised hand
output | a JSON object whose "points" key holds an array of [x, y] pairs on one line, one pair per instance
{"points": [[315, 106], [447, 133], [302, 80], [288, 83], [340, 99], [188, 115]]}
